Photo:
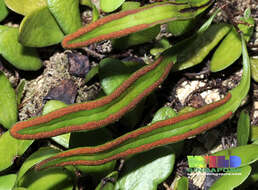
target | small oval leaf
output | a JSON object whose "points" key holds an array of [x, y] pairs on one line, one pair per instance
{"points": [[227, 53], [11, 148], [21, 57], [66, 14], [25, 7], [113, 72], [110, 5], [7, 181], [36, 157], [164, 113], [8, 104], [3, 10], [146, 169], [39, 29], [53, 105], [54, 178], [194, 50], [229, 182], [230, 48]]}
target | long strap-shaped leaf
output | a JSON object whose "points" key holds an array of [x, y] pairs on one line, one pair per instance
{"points": [[161, 132], [98, 113], [127, 22]]}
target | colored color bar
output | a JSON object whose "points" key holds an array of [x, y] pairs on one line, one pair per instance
{"points": [[235, 161], [212, 162], [221, 162]]}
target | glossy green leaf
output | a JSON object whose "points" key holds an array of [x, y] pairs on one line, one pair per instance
{"points": [[243, 129], [254, 68], [247, 153], [20, 90], [110, 5], [50, 179], [11, 148], [3, 10], [95, 12], [178, 28], [21, 57], [164, 113], [227, 53], [199, 44], [62, 139], [182, 183], [160, 47], [230, 48], [39, 29], [7, 181], [129, 5], [146, 170], [113, 72], [36, 157], [66, 14], [25, 7], [252, 179], [8, 104], [193, 50], [53, 105], [229, 182], [108, 184]]}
